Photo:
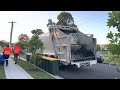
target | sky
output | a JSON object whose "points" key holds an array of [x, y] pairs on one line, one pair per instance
{"points": [[88, 22]]}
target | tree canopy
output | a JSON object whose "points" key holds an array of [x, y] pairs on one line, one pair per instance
{"points": [[2, 44], [114, 38], [23, 38], [35, 44], [37, 31], [98, 47], [114, 20], [49, 22], [66, 19], [22, 45]]}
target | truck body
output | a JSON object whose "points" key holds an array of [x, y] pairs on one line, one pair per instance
{"points": [[69, 45]]}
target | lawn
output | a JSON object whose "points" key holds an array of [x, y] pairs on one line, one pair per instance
{"points": [[2, 72], [107, 59], [36, 74]]}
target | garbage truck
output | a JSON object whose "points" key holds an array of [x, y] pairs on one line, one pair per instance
{"points": [[69, 45]]}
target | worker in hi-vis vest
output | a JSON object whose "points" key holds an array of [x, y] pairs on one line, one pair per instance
{"points": [[16, 51], [6, 54]]}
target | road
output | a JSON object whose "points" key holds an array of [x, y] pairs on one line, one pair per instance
{"points": [[98, 71]]}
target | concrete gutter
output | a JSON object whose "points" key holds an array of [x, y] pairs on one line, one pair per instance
{"points": [[111, 64]]}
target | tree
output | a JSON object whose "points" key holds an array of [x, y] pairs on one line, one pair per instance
{"points": [[35, 44], [2, 44], [36, 59], [66, 19], [98, 47], [22, 45], [49, 22], [114, 38], [114, 49], [37, 31], [114, 20], [23, 38]]}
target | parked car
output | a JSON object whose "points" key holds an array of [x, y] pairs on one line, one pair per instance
{"points": [[99, 58]]}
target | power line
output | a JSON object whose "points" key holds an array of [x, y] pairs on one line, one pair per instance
{"points": [[86, 25], [89, 22], [95, 20], [92, 19], [88, 17]]}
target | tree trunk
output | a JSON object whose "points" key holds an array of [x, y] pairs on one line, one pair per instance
{"points": [[34, 61]]}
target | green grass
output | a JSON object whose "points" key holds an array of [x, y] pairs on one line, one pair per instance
{"points": [[107, 59], [36, 74], [2, 72]]}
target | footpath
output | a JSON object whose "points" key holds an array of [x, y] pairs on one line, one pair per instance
{"points": [[14, 71]]}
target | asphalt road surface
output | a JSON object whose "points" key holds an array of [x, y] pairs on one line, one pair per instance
{"points": [[97, 71]]}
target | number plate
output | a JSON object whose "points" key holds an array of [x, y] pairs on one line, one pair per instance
{"points": [[85, 64]]}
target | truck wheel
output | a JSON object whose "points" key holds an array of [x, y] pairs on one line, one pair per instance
{"points": [[61, 68], [99, 60]]}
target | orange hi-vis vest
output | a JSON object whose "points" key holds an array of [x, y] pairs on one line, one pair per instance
{"points": [[7, 51], [16, 49]]}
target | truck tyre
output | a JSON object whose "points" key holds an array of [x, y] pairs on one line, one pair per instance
{"points": [[99, 60]]}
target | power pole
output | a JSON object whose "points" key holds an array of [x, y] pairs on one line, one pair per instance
{"points": [[11, 31], [108, 38]]}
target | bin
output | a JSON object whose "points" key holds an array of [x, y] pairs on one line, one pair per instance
{"points": [[50, 65], [47, 65], [2, 59], [43, 64], [54, 67], [40, 64], [28, 57]]}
